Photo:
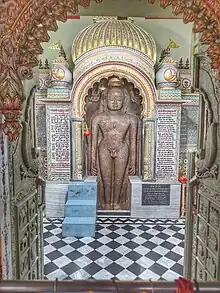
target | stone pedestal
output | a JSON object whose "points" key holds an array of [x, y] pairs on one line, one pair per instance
{"points": [[80, 208], [154, 200], [55, 195]]}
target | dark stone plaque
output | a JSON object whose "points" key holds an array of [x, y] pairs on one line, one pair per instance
{"points": [[155, 194]]}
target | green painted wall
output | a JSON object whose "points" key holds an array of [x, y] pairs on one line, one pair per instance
{"points": [[160, 29]]}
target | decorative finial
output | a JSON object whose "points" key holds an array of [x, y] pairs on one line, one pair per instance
{"points": [[180, 63], [46, 64], [164, 53], [40, 64], [187, 64], [62, 53]]}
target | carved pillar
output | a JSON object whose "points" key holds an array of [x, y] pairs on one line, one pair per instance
{"points": [[77, 148], [11, 90], [5, 211], [148, 153], [189, 217]]}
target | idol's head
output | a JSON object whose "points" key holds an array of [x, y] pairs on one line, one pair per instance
{"points": [[115, 99]]}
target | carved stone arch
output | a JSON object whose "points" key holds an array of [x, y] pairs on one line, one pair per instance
{"points": [[141, 81], [24, 25]]}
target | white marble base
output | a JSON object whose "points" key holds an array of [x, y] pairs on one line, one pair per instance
{"points": [[55, 197], [157, 211]]}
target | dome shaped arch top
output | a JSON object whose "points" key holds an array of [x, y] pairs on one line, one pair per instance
{"points": [[113, 32], [143, 83]]}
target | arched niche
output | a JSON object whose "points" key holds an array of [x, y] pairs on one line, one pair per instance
{"points": [[142, 82], [81, 87]]}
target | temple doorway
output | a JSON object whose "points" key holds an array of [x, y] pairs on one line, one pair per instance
{"points": [[139, 245], [122, 121]]}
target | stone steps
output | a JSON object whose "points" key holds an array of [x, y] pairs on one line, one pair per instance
{"points": [[80, 209], [79, 226]]}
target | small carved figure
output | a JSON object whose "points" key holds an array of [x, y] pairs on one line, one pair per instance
{"points": [[114, 145]]}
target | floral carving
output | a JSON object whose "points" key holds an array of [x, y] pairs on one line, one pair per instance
{"points": [[25, 24], [11, 109]]}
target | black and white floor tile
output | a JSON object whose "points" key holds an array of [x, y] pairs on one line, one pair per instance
{"points": [[123, 248]]}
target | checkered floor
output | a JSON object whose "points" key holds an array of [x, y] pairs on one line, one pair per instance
{"points": [[123, 248]]}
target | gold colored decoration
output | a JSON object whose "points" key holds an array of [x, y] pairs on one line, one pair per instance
{"points": [[58, 73], [172, 44], [170, 74], [55, 46], [103, 33]]}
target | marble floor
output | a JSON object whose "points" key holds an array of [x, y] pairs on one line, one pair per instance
{"points": [[123, 249]]}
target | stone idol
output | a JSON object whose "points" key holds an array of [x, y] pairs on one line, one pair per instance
{"points": [[113, 149]]}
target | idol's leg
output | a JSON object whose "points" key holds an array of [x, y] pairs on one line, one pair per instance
{"points": [[121, 163], [105, 163]]}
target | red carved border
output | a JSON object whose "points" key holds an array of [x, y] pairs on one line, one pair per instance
{"points": [[24, 25]]}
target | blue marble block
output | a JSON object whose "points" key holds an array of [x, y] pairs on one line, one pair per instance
{"points": [[75, 189], [79, 227], [86, 191], [80, 208]]}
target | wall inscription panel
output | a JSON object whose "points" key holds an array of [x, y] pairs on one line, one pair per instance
{"points": [[58, 142], [40, 111], [167, 148], [155, 194]]}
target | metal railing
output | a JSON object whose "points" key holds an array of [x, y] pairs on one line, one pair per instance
{"points": [[95, 286]]}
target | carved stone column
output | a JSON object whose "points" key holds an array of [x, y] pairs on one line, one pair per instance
{"points": [[5, 212], [77, 148], [189, 217], [148, 155]]}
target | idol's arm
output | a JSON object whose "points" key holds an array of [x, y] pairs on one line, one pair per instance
{"points": [[133, 145], [95, 131]]}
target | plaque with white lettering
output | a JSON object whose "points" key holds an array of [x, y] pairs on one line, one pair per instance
{"points": [[155, 194]]}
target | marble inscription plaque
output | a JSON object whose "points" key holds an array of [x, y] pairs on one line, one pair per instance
{"points": [[155, 194], [58, 144], [40, 111], [166, 154], [184, 127]]}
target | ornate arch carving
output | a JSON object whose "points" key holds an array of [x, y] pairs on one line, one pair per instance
{"points": [[24, 25], [147, 89]]}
